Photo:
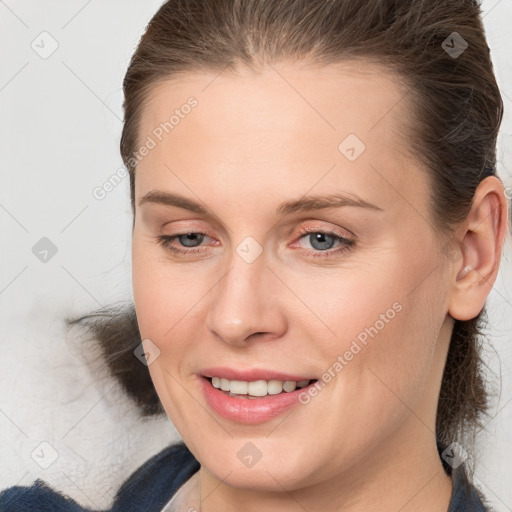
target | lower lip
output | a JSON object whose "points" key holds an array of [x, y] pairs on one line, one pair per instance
{"points": [[247, 410]]}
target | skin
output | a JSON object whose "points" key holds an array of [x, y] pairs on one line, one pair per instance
{"points": [[366, 441]]}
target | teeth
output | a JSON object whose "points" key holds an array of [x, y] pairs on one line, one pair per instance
{"points": [[257, 387]]}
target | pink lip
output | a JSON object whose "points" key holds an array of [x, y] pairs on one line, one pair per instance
{"points": [[251, 375], [246, 410]]}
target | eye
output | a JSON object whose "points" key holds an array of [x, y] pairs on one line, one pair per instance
{"points": [[191, 240], [323, 241]]}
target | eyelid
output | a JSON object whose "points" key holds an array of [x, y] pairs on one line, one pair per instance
{"points": [[313, 227], [346, 243]]}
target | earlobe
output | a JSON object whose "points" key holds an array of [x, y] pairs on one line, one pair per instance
{"points": [[482, 243]]}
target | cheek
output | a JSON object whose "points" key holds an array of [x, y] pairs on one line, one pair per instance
{"points": [[386, 326], [163, 294]]}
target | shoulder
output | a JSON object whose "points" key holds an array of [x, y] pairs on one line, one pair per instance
{"points": [[152, 485], [148, 488], [39, 497]]}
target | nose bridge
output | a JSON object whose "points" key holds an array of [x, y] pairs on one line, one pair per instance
{"points": [[243, 303]]}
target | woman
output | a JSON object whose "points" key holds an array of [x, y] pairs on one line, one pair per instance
{"points": [[317, 226]]}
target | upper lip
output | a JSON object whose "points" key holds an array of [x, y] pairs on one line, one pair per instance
{"points": [[251, 374]]}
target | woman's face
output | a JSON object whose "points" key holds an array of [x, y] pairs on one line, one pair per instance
{"points": [[283, 277]]}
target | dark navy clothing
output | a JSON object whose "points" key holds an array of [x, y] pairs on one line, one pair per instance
{"points": [[152, 485]]}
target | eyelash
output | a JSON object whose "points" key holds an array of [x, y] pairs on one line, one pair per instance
{"points": [[346, 243]]}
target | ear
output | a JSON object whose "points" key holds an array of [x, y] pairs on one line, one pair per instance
{"points": [[481, 239]]}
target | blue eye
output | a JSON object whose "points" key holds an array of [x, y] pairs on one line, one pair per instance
{"points": [[188, 238], [324, 241], [321, 241]]}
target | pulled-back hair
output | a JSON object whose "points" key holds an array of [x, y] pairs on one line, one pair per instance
{"points": [[456, 111]]}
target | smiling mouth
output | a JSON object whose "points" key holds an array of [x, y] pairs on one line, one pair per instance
{"points": [[254, 390]]}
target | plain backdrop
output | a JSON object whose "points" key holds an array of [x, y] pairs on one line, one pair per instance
{"points": [[61, 73]]}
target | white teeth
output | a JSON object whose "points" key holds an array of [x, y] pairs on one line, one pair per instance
{"points": [[258, 387], [289, 385], [238, 386], [274, 387], [224, 384]]}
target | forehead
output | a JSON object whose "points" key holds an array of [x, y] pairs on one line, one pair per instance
{"points": [[355, 94], [277, 125]]}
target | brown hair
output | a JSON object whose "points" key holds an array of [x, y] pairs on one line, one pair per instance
{"points": [[455, 101]]}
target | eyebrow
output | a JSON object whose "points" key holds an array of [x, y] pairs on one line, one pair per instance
{"points": [[306, 203]]}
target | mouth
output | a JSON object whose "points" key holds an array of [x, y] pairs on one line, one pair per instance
{"points": [[252, 402], [257, 389], [253, 395]]}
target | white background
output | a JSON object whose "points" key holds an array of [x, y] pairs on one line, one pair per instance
{"points": [[60, 127]]}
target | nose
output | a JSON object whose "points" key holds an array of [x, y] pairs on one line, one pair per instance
{"points": [[245, 303]]}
